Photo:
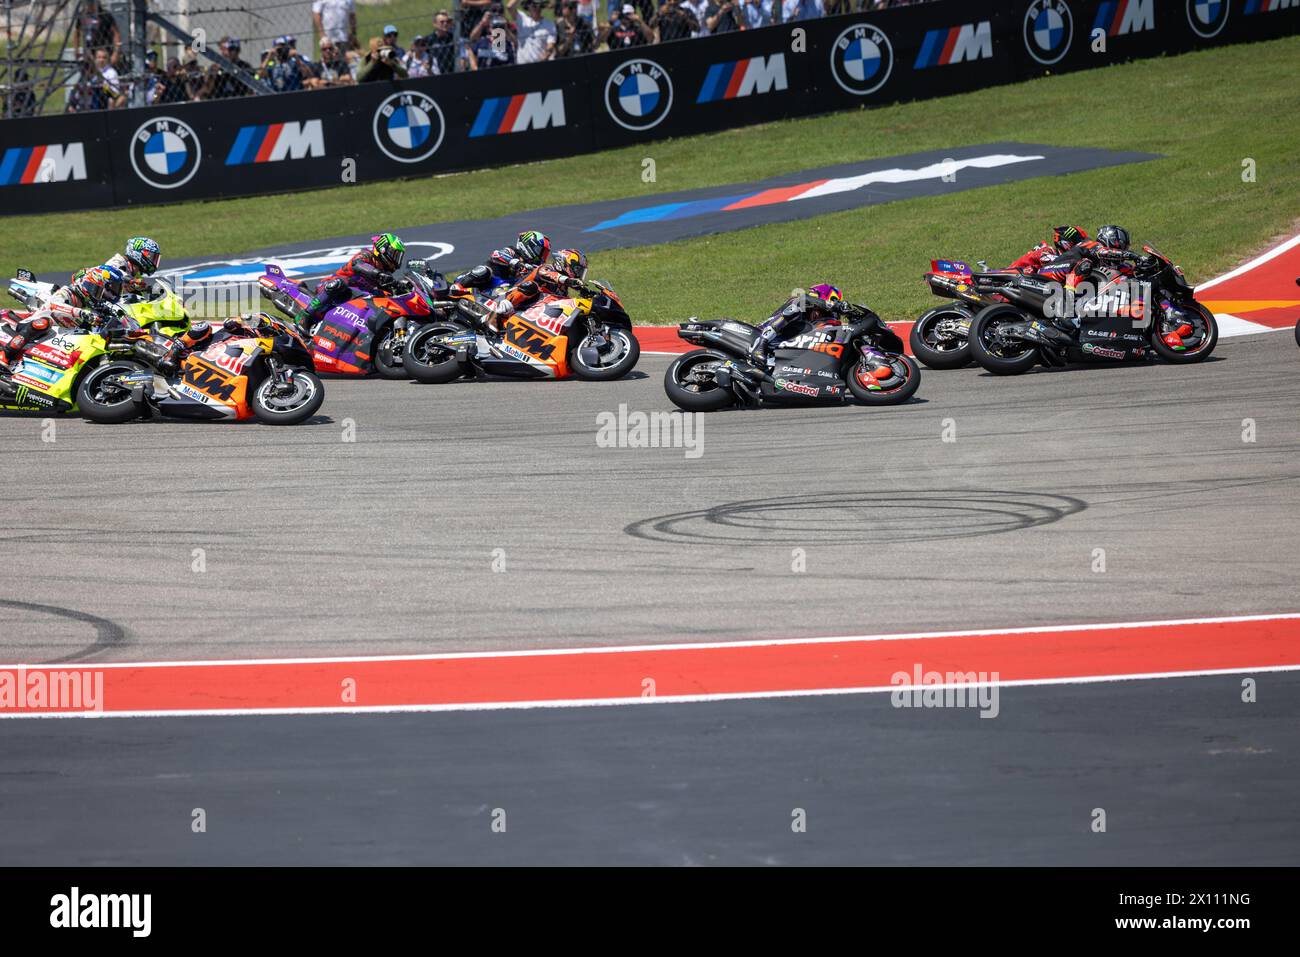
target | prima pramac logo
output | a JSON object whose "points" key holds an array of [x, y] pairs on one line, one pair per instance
{"points": [[165, 152], [638, 94], [409, 127], [862, 59]]}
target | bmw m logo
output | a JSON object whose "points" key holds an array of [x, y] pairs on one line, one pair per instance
{"points": [[165, 152], [862, 59], [409, 127], [1049, 29], [638, 94], [1207, 17]]}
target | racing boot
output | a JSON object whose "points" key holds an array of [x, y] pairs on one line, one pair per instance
{"points": [[760, 351]]}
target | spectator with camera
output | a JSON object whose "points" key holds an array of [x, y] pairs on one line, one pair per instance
{"points": [[626, 29], [724, 17], [675, 22], [380, 63], [573, 35], [758, 13], [492, 43]]}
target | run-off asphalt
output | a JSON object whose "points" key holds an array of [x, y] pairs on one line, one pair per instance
{"points": [[310, 545]]}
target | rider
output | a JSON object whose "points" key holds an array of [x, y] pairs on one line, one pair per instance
{"points": [[509, 263], [368, 271], [139, 260], [818, 303], [1064, 238], [566, 269], [69, 306]]}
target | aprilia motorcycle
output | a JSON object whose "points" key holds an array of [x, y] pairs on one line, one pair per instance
{"points": [[366, 333], [1152, 313], [260, 371], [587, 334], [812, 364], [939, 338], [1297, 325]]}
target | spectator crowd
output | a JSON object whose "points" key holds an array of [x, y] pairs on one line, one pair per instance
{"points": [[492, 33]]}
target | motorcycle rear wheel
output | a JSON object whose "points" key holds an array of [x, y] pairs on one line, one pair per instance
{"points": [[695, 396], [436, 366], [104, 403], [981, 348]]}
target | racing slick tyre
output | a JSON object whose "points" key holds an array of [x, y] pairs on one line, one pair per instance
{"points": [[690, 387], [870, 390], [617, 360], [434, 366], [387, 365], [998, 359], [278, 405], [937, 353], [101, 401], [1297, 333], [1198, 352]]}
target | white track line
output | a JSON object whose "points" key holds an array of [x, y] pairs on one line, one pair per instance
{"points": [[678, 646]]}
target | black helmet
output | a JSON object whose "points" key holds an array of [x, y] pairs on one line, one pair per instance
{"points": [[1114, 237]]}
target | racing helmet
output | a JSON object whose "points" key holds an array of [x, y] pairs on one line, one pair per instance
{"points": [[826, 292], [389, 251], [101, 284], [144, 254], [1114, 237], [1064, 238], [533, 247], [571, 263]]}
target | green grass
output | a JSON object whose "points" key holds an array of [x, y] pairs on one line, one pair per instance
{"points": [[1205, 112]]}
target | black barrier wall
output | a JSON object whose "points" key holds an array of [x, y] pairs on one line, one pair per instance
{"points": [[386, 130]]}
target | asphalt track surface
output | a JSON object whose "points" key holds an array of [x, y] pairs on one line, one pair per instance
{"points": [[384, 545], [312, 545]]}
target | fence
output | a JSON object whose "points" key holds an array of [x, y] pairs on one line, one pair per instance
{"points": [[468, 120]]}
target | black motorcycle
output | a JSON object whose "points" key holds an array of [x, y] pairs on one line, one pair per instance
{"points": [[1297, 325], [825, 362], [939, 339], [1152, 313]]}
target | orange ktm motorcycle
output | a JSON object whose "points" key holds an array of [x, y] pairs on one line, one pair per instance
{"points": [[256, 367], [586, 334]]}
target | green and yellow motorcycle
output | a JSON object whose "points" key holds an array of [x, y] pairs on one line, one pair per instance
{"points": [[53, 369]]}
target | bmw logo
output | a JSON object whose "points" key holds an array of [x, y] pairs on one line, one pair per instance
{"points": [[1049, 29], [862, 59], [638, 94], [165, 152], [408, 127], [1207, 17]]}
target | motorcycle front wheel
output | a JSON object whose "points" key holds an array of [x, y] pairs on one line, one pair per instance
{"points": [[869, 390], [430, 363], [277, 404], [388, 365], [615, 360]]}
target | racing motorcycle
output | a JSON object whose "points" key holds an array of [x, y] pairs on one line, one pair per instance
{"points": [[367, 333], [49, 375], [939, 338], [1152, 313], [585, 333], [261, 371], [814, 363]]}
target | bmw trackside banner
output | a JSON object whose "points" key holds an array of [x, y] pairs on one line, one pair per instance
{"points": [[386, 130]]}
